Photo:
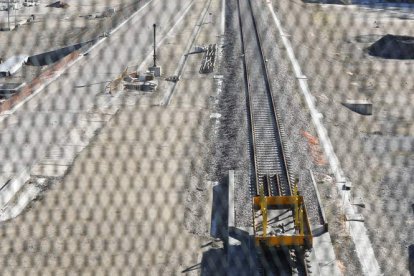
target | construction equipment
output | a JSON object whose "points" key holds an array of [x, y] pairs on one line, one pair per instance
{"points": [[281, 221]]}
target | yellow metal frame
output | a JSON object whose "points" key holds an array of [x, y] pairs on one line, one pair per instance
{"points": [[303, 235]]}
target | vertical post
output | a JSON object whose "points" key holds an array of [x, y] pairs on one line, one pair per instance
{"points": [[296, 205], [8, 13], [15, 22], [155, 45], [263, 207], [301, 226]]}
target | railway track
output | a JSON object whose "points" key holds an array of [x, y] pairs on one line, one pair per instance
{"points": [[270, 162]]}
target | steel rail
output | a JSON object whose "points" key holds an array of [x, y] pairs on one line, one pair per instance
{"points": [[261, 160], [279, 127], [282, 182]]}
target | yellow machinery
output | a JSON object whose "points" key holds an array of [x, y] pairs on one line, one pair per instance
{"points": [[281, 221]]}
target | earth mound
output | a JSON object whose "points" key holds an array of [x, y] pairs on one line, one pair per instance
{"points": [[393, 47], [58, 4]]}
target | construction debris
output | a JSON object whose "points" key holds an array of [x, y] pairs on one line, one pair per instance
{"points": [[108, 12], [142, 86], [8, 89], [209, 59], [135, 77], [142, 82], [173, 78]]}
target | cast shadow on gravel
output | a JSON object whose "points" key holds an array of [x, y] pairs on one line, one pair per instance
{"points": [[219, 210], [233, 259], [229, 252]]}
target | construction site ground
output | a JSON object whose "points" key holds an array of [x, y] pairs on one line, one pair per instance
{"points": [[54, 28], [124, 181], [138, 199], [376, 152]]}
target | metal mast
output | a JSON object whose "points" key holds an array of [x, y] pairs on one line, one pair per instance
{"points": [[155, 45]]}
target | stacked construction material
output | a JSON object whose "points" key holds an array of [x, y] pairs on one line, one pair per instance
{"points": [[209, 59]]}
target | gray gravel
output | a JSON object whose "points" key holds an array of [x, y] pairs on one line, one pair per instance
{"points": [[232, 150]]}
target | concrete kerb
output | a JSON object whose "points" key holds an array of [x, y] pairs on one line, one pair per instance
{"points": [[358, 231], [320, 229], [231, 222], [324, 256], [223, 17], [240, 247]]}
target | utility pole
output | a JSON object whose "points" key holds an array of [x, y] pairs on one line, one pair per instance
{"points": [[8, 13], [155, 45], [155, 69], [15, 22]]}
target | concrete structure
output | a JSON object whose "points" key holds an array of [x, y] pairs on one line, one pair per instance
{"points": [[30, 3], [142, 86], [8, 89], [362, 107], [156, 70], [10, 4], [12, 65]]}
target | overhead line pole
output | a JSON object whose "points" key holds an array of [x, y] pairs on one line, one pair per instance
{"points": [[155, 45], [8, 13]]}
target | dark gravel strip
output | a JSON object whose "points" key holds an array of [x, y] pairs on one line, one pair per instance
{"points": [[232, 148]]}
